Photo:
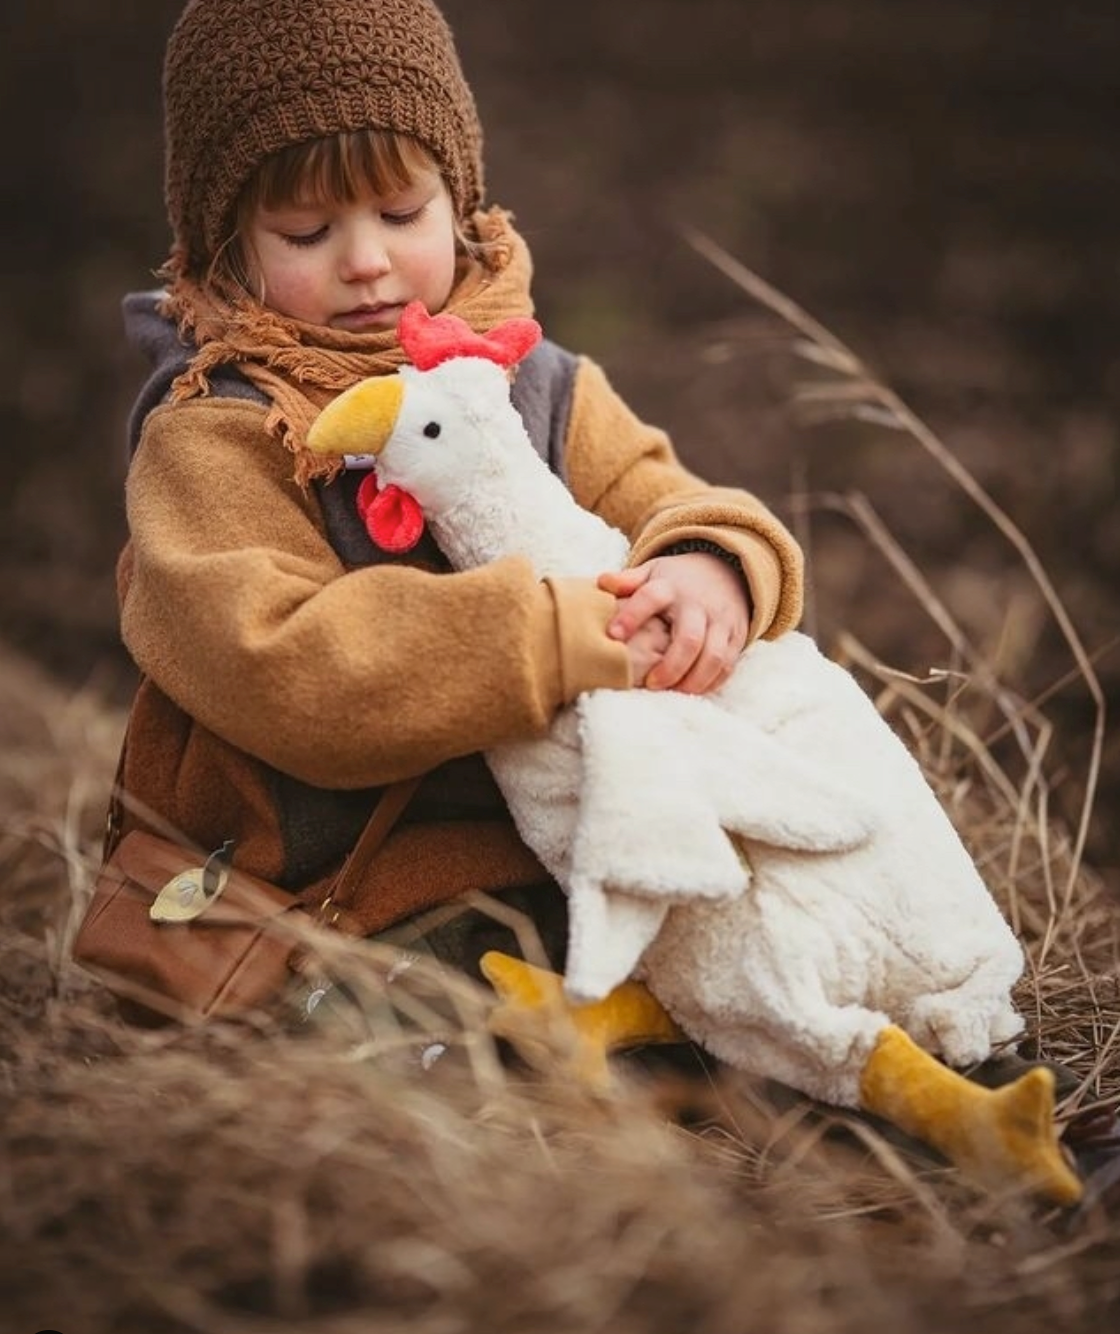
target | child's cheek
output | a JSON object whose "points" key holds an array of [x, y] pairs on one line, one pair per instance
{"points": [[298, 289]]}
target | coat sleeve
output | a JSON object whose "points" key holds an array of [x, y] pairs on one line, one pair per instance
{"points": [[235, 604], [627, 472]]}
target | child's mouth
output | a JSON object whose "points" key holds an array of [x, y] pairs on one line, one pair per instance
{"points": [[379, 316]]}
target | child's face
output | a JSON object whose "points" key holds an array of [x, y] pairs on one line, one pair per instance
{"points": [[355, 266]]}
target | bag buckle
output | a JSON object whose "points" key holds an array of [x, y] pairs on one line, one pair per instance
{"points": [[189, 894]]}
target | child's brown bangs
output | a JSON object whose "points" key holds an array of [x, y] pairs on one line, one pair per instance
{"points": [[341, 169]]}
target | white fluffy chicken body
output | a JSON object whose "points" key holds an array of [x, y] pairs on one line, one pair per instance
{"points": [[802, 973], [769, 858]]}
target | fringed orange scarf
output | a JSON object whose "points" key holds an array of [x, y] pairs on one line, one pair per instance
{"points": [[301, 367]]}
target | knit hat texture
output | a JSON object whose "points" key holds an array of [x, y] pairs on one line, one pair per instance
{"points": [[244, 78]]}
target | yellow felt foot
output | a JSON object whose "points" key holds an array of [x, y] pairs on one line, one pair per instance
{"points": [[1002, 1137], [533, 1011]]}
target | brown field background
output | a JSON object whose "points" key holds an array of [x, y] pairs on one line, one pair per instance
{"points": [[939, 186]]}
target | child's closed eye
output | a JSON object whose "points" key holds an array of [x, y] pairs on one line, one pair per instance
{"points": [[306, 238], [404, 217]]}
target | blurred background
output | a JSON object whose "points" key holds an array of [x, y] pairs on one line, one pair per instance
{"points": [[937, 184]]}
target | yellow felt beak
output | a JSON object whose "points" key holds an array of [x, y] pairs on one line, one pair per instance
{"points": [[361, 420]]}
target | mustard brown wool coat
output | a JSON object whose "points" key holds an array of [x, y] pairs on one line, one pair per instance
{"points": [[290, 669]]}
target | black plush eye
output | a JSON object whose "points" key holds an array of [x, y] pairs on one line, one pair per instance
{"points": [[432, 430]]}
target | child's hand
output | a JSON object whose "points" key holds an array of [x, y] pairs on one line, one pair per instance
{"points": [[704, 601], [646, 648]]}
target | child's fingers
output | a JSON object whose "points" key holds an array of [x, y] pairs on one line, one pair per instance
{"points": [[696, 667], [712, 666], [622, 583], [650, 600], [689, 635]]}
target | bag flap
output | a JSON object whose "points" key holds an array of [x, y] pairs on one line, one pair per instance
{"points": [[149, 862]]}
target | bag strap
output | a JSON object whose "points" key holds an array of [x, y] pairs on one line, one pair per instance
{"points": [[114, 816], [333, 909]]}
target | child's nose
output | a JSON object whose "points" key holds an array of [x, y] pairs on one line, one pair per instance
{"points": [[366, 255]]}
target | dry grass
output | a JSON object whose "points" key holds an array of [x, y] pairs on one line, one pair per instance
{"points": [[331, 1179]]}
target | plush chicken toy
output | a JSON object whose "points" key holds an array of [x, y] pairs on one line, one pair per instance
{"points": [[765, 868]]}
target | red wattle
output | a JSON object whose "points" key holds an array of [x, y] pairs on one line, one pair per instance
{"points": [[367, 493], [393, 519]]}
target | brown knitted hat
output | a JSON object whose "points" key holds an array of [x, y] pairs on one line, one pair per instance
{"points": [[243, 78]]}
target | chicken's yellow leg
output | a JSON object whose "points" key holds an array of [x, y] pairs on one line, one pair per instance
{"points": [[532, 1007], [1003, 1137]]}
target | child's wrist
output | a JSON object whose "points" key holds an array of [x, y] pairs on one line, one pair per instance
{"points": [[705, 546]]}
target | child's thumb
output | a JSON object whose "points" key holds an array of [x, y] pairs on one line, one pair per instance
{"points": [[623, 582]]}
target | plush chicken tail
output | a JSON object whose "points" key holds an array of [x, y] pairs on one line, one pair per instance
{"points": [[1002, 1138]]}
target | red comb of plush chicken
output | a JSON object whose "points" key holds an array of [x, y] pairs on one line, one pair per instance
{"points": [[430, 340]]}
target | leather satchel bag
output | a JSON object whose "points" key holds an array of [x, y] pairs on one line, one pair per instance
{"points": [[184, 937]]}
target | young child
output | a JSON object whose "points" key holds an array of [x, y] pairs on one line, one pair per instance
{"points": [[324, 168]]}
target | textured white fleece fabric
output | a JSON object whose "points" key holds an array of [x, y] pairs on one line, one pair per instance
{"points": [[770, 857]]}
